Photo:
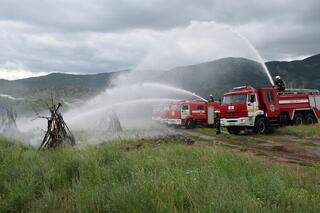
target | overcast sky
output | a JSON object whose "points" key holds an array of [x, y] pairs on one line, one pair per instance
{"points": [[82, 36]]}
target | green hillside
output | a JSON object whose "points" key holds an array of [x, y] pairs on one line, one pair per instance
{"points": [[302, 74], [67, 85], [217, 77], [34, 93], [214, 77]]}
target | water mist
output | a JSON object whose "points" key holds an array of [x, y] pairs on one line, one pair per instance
{"points": [[134, 94]]}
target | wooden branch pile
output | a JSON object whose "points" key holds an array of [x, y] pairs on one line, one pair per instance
{"points": [[8, 123], [58, 134]]}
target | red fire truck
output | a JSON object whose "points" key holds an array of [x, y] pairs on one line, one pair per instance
{"points": [[260, 109], [191, 113]]}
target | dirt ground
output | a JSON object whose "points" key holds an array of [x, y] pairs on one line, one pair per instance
{"points": [[274, 147]]}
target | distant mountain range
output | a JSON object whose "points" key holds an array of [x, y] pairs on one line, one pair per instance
{"points": [[219, 76], [68, 85], [214, 77], [300, 73]]}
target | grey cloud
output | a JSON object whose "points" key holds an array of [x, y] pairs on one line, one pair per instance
{"points": [[106, 35], [106, 16]]}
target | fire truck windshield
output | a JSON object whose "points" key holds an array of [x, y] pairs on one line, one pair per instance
{"points": [[237, 98]]}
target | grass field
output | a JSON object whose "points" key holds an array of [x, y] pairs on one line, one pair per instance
{"points": [[245, 138], [303, 131], [139, 176]]}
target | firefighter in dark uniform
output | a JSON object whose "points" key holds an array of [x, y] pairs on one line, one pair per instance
{"points": [[279, 83], [217, 122], [210, 98]]}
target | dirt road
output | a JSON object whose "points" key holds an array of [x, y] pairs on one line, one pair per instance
{"points": [[281, 148]]}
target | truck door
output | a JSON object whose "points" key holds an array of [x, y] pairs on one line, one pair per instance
{"points": [[200, 112], [271, 103], [252, 104], [185, 112]]}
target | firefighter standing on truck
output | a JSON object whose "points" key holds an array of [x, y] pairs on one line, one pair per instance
{"points": [[210, 99], [217, 122], [279, 83]]}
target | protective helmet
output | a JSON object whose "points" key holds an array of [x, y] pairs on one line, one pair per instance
{"points": [[211, 95], [277, 77]]}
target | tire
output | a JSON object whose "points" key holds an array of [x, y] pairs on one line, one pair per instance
{"points": [[236, 131], [229, 129], [261, 125], [310, 119], [298, 119], [189, 124], [233, 130]]}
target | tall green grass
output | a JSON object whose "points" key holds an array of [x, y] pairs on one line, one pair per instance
{"points": [[303, 131], [138, 176]]}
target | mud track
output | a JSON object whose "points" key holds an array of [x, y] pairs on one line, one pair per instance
{"points": [[277, 148]]}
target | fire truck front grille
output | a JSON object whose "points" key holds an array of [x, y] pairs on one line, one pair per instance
{"points": [[232, 115]]}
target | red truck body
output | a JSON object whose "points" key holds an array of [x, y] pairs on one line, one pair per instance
{"points": [[259, 109], [190, 113]]}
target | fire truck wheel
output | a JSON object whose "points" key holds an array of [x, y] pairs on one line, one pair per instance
{"points": [[261, 125], [310, 119], [298, 119], [189, 124], [233, 130]]}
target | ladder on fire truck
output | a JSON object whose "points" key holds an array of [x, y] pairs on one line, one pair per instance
{"points": [[299, 91]]}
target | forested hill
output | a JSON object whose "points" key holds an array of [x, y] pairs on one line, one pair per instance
{"points": [[300, 73], [214, 77], [69, 85]]}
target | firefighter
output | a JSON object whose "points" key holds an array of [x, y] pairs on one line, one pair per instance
{"points": [[210, 99], [279, 83], [217, 122]]}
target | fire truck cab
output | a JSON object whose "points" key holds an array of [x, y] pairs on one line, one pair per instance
{"points": [[191, 113], [259, 109]]}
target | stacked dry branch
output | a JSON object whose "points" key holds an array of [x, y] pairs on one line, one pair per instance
{"points": [[58, 134]]}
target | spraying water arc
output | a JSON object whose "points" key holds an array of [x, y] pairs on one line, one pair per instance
{"points": [[97, 112], [145, 90], [255, 51], [175, 89]]}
